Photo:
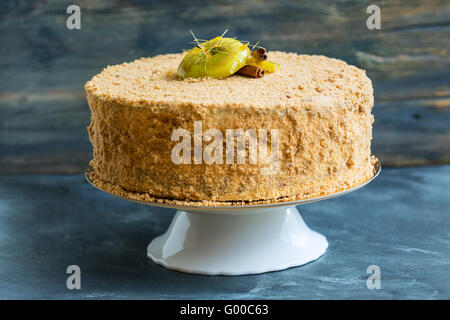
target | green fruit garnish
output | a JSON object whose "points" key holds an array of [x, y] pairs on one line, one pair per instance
{"points": [[217, 58], [268, 66]]}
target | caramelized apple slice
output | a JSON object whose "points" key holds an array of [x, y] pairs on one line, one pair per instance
{"points": [[217, 58]]}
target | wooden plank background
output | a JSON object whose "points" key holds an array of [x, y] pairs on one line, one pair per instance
{"points": [[43, 65]]}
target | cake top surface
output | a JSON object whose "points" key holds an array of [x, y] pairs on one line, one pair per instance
{"points": [[301, 80]]}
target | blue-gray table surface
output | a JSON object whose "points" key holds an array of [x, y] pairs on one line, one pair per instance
{"points": [[400, 222]]}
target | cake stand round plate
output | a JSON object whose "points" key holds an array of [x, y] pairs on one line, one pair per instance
{"points": [[238, 240]]}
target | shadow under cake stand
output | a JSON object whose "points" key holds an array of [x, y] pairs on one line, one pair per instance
{"points": [[238, 240]]}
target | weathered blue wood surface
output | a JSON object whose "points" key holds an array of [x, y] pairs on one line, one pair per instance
{"points": [[400, 222], [43, 112]]}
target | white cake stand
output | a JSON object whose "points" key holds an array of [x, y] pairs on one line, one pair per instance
{"points": [[238, 240]]}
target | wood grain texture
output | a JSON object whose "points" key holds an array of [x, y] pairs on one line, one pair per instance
{"points": [[43, 112]]}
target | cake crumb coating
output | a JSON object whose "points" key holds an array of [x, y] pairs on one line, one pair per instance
{"points": [[321, 107]]}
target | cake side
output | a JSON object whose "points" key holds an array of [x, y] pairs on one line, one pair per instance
{"points": [[324, 123]]}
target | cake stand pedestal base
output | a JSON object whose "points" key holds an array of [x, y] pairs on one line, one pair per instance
{"points": [[237, 242]]}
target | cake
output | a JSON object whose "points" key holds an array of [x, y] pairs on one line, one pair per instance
{"points": [[315, 110]]}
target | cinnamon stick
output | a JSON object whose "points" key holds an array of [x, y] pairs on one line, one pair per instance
{"points": [[261, 50], [260, 54], [251, 71]]}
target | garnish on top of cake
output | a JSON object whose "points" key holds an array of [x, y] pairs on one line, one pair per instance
{"points": [[222, 57]]}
